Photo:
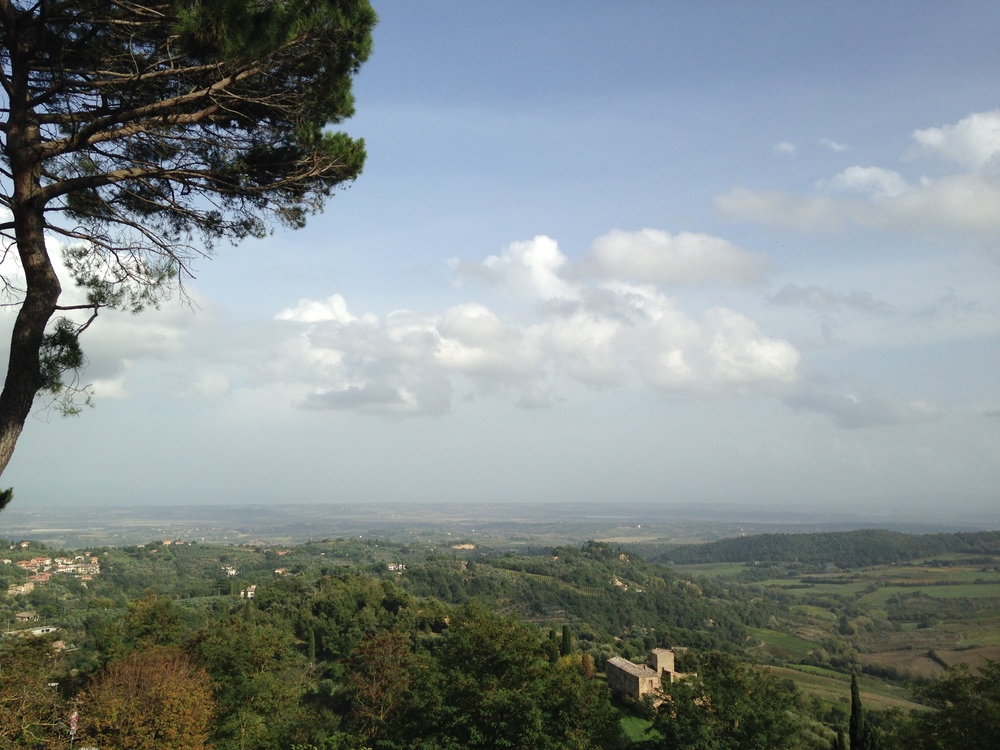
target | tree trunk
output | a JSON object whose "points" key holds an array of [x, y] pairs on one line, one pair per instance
{"points": [[42, 290]]}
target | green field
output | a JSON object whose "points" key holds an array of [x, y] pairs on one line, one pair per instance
{"points": [[712, 570], [795, 587], [784, 645], [925, 574], [818, 613], [835, 687], [635, 728], [941, 591]]}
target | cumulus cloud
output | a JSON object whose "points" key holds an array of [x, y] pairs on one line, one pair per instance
{"points": [[613, 333], [854, 404], [531, 268], [785, 148], [333, 308], [657, 257], [816, 298], [874, 197], [741, 355], [973, 142]]}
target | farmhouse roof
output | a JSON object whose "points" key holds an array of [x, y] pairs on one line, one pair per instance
{"points": [[639, 670]]}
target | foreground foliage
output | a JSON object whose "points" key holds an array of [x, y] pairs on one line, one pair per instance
{"points": [[729, 706], [339, 650], [149, 699]]}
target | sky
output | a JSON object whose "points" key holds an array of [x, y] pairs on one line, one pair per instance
{"points": [[650, 252]]}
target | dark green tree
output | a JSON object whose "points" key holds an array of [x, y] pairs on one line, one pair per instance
{"points": [[552, 647], [857, 730], [730, 706], [967, 710], [566, 648], [260, 679], [134, 130], [392, 691], [498, 689]]}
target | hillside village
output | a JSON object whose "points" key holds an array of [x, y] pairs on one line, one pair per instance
{"points": [[39, 570]]}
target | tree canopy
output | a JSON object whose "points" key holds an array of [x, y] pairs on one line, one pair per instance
{"points": [[730, 705], [141, 133], [149, 699]]}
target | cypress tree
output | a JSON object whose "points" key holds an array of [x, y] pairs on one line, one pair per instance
{"points": [[567, 642], [857, 731], [552, 647]]}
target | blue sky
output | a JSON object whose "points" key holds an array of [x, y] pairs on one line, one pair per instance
{"points": [[645, 252]]}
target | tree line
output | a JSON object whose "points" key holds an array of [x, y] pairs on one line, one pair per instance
{"points": [[845, 549]]}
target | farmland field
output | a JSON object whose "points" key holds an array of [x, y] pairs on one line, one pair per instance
{"points": [[835, 687], [885, 619]]}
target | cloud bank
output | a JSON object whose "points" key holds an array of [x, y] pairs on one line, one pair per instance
{"points": [[602, 330], [874, 197], [657, 257]]}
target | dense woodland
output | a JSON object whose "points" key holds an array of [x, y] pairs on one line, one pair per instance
{"points": [[847, 549], [360, 643]]}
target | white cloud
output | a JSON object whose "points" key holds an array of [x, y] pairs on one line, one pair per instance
{"points": [[874, 182], [969, 204], [655, 256], [531, 268], [586, 347], [109, 389], [409, 364], [973, 142], [474, 341], [832, 145], [741, 355], [785, 148], [333, 308], [781, 209]]}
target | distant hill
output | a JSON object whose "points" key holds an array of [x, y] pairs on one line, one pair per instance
{"points": [[842, 548]]}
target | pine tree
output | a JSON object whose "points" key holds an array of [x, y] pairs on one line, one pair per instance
{"points": [[142, 133]]}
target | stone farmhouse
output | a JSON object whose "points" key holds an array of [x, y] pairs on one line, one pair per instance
{"points": [[631, 680]]}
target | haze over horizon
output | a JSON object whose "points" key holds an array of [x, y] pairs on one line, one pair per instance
{"points": [[728, 253]]}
